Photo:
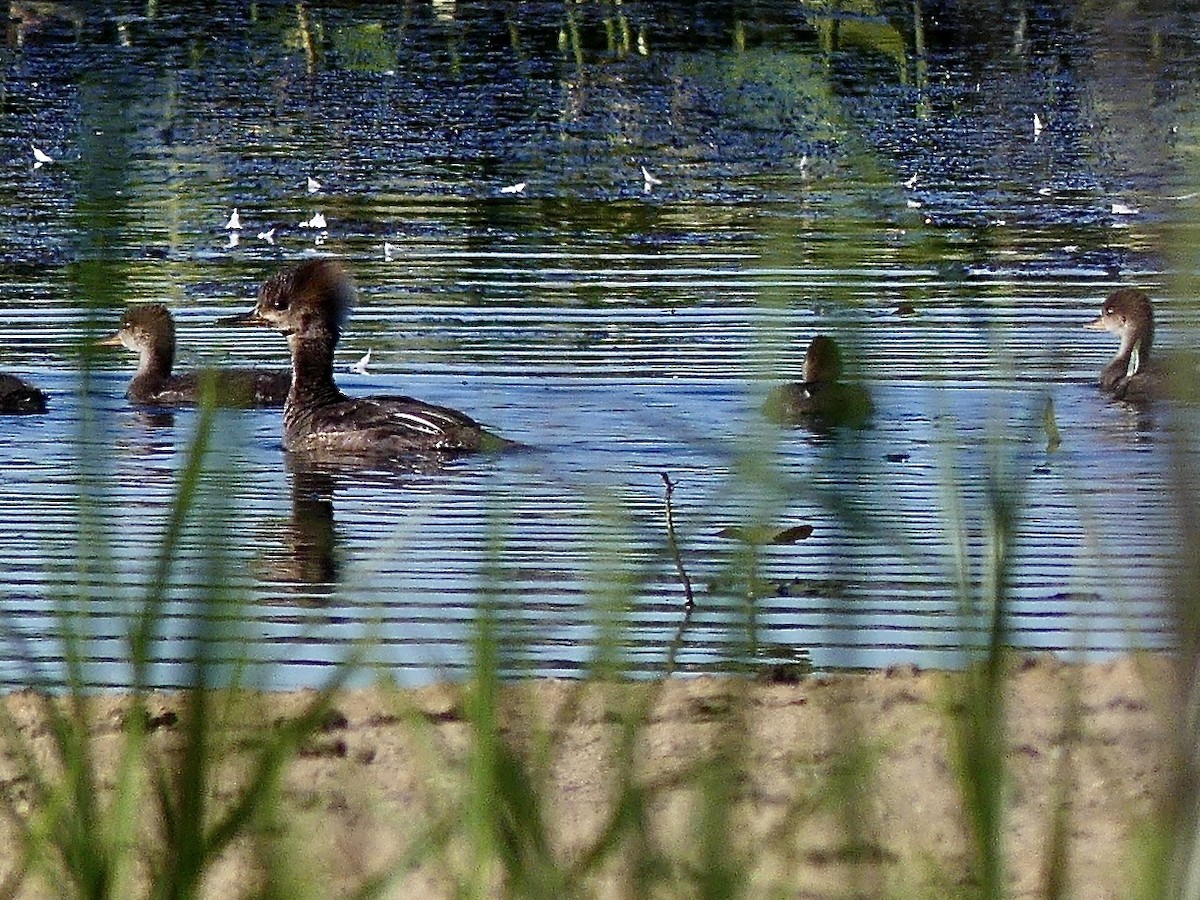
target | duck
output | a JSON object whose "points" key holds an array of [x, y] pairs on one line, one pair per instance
{"points": [[309, 304], [149, 330], [1131, 375], [820, 399], [19, 397]]}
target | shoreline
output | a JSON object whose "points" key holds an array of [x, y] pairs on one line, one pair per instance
{"points": [[391, 766]]}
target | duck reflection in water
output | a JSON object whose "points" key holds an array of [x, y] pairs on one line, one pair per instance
{"points": [[301, 553], [821, 400], [304, 552], [148, 432]]}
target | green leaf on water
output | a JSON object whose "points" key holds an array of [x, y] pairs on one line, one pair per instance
{"points": [[760, 535]]}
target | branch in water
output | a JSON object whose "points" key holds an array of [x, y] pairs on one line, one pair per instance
{"points": [[674, 545]]}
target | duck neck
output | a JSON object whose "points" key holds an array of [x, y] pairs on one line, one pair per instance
{"points": [[312, 371], [154, 363], [1134, 354]]}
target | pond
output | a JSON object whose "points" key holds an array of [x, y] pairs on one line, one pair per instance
{"points": [[950, 190]]}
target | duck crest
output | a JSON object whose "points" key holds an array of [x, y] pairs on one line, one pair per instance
{"points": [[320, 288]]}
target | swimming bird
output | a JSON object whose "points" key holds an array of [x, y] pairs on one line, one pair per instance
{"points": [[310, 304], [820, 399], [1131, 375], [19, 397], [149, 331]]}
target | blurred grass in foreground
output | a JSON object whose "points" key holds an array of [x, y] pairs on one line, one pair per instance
{"points": [[211, 778]]}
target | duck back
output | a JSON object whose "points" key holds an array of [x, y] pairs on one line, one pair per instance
{"points": [[233, 387], [19, 397], [384, 427], [819, 403]]}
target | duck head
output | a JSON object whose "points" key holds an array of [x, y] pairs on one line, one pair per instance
{"points": [[823, 361], [149, 331], [310, 301], [1127, 314]]}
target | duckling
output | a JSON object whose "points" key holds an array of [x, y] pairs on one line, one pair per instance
{"points": [[1131, 375], [149, 331], [820, 399]]}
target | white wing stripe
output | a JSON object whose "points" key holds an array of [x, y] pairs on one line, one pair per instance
{"points": [[420, 423]]}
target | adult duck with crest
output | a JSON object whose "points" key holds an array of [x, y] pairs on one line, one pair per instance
{"points": [[309, 304]]}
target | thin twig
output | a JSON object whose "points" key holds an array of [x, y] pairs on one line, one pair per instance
{"points": [[677, 641], [683, 575]]}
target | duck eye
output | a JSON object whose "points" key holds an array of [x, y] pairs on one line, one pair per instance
{"points": [[279, 303]]}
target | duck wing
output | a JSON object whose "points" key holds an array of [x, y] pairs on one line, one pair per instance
{"points": [[388, 426]]}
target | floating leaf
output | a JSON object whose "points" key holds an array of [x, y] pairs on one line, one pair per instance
{"points": [[793, 534], [765, 534]]}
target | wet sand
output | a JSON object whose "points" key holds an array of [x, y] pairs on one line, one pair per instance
{"points": [[391, 767]]}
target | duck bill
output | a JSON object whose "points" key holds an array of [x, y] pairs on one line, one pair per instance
{"points": [[113, 340], [1097, 324], [244, 320]]}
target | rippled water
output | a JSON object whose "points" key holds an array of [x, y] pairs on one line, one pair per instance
{"points": [[621, 333]]}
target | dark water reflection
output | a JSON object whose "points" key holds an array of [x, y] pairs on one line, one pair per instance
{"points": [[816, 174], [305, 555]]}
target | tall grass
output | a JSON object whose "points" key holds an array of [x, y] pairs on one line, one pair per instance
{"points": [[147, 823]]}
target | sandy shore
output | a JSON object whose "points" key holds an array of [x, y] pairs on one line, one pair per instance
{"points": [[390, 769]]}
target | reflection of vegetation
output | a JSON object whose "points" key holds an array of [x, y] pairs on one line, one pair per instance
{"points": [[364, 48], [772, 90], [859, 24]]}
